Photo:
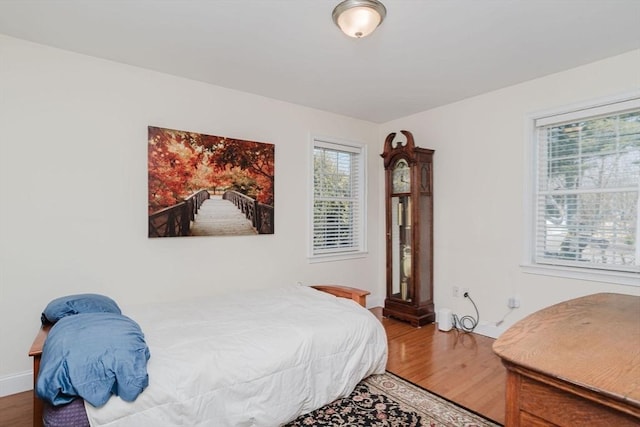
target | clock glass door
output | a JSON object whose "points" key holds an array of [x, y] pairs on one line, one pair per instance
{"points": [[401, 261]]}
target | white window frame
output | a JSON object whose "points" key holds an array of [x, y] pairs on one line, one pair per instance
{"points": [[568, 113], [360, 250]]}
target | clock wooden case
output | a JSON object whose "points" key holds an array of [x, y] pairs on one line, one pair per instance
{"points": [[409, 230]]}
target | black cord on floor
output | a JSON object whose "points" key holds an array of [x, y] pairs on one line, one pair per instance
{"points": [[467, 323]]}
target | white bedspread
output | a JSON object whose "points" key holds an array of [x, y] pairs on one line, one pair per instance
{"points": [[251, 359]]}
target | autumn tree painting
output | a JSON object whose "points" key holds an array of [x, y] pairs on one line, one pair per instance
{"points": [[208, 185]]}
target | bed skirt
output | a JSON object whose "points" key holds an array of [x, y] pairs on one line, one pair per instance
{"points": [[70, 415]]}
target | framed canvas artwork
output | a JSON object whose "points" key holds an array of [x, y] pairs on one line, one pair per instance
{"points": [[205, 185]]}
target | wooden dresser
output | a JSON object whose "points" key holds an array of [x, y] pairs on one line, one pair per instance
{"points": [[575, 363]]}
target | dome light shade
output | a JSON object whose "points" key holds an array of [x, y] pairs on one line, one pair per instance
{"points": [[359, 18]]}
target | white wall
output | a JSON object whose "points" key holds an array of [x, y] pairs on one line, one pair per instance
{"points": [[478, 189], [73, 191]]}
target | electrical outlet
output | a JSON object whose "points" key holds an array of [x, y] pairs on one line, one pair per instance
{"points": [[514, 302], [456, 291]]}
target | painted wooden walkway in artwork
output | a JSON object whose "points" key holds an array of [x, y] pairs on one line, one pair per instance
{"points": [[218, 217]]}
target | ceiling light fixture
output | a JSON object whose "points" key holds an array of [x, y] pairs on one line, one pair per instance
{"points": [[359, 18]]}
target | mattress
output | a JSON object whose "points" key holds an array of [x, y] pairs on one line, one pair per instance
{"points": [[248, 359]]}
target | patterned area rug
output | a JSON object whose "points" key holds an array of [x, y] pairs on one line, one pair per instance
{"points": [[388, 400]]}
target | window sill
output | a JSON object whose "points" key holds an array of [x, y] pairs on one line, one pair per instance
{"points": [[337, 257], [618, 278]]}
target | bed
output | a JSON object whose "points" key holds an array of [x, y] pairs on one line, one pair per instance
{"points": [[246, 359]]}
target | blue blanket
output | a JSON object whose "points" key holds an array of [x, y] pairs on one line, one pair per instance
{"points": [[93, 356]]}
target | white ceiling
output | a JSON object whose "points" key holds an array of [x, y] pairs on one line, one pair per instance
{"points": [[425, 54]]}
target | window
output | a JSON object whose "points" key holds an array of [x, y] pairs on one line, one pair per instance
{"points": [[338, 199], [587, 179]]}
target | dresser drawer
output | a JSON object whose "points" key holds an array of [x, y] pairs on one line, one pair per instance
{"points": [[563, 408]]}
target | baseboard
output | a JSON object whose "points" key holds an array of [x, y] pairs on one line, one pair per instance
{"points": [[16, 383], [375, 301], [488, 330]]}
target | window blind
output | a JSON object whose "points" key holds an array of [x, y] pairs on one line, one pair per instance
{"points": [[337, 198], [588, 179]]}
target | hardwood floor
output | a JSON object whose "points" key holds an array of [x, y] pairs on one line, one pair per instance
{"points": [[16, 410], [460, 367]]}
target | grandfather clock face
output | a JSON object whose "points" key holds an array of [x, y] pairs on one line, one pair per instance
{"points": [[401, 178]]}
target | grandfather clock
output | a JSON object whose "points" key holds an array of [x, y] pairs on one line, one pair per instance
{"points": [[409, 229]]}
